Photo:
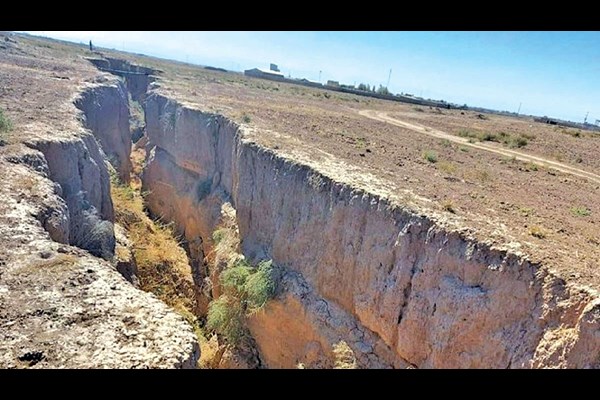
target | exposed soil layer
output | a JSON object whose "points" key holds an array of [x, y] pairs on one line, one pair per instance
{"points": [[550, 216]]}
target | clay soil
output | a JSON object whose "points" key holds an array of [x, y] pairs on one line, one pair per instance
{"points": [[552, 217]]}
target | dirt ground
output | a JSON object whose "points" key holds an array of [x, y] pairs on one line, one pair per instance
{"points": [[553, 217], [549, 215]]}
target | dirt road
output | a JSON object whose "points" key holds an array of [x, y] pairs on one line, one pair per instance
{"points": [[382, 116]]}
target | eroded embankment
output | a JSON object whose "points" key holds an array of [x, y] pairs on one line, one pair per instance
{"points": [[398, 288], [59, 305]]}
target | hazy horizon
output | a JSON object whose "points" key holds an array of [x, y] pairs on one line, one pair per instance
{"points": [[549, 73]]}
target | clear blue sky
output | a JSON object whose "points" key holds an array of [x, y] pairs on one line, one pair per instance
{"points": [[551, 73]]}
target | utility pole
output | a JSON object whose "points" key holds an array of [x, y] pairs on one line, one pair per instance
{"points": [[519, 110], [585, 119], [319, 76], [388, 81]]}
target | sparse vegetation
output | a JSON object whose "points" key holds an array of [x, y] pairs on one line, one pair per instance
{"points": [[526, 211], [260, 286], [58, 261], [430, 156], [418, 109], [508, 159], [344, 356], [5, 127], [448, 205], [360, 142], [246, 118], [482, 175], [580, 211], [234, 278], [447, 167], [532, 166], [246, 290], [218, 235], [537, 232], [570, 132], [464, 149], [162, 264], [5, 123], [500, 137], [467, 134], [211, 353], [226, 317], [445, 143]]}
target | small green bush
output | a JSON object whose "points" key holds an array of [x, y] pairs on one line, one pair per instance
{"points": [[580, 211], [514, 142], [246, 290], [466, 133], [430, 156], [487, 137], [233, 279], [218, 235], [246, 118], [260, 286], [5, 125], [226, 317], [445, 143]]}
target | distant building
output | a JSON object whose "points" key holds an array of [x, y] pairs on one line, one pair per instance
{"points": [[274, 67], [265, 74], [333, 83], [306, 82]]}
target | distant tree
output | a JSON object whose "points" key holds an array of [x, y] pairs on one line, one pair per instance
{"points": [[383, 90], [363, 86]]}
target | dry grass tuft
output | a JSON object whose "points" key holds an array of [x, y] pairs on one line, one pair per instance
{"points": [[447, 166], [448, 205], [211, 353], [537, 232], [344, 356], [163, 265]]}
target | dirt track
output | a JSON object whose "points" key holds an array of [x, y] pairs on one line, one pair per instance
{"points": [[383, 117]]}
